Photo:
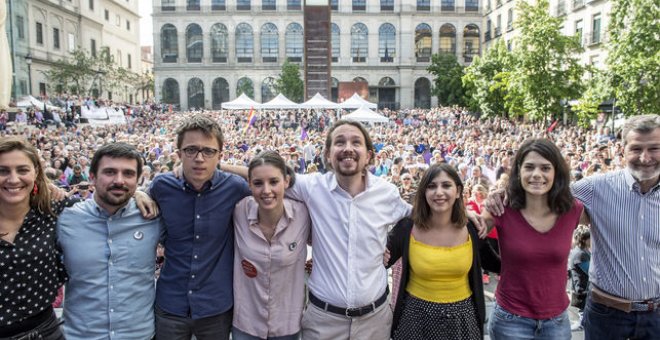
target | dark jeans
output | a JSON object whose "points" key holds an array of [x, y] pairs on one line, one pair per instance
{"points": [[172, 327], [602, 322], [48, 330]]}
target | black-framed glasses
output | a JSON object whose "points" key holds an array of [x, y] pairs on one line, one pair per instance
{"points": [[193, 151]]}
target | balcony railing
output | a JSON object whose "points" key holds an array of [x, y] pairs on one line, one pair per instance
{"points": [[487, 36], [468, 54], [593, 38], [450, 50], [498, 31], [509, 26]]}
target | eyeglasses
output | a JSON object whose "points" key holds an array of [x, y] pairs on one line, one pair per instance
{"points": [[193, 151]]}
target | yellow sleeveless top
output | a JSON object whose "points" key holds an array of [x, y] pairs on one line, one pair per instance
{"points": [[439, 274]]}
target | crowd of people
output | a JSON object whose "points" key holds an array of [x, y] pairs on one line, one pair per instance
{"points": [[220, 183]]}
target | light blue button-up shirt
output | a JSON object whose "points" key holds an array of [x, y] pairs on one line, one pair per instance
{"points": [[110, 261]]}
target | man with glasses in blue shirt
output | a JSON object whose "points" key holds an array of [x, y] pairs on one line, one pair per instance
{"points": [[194, 291]]}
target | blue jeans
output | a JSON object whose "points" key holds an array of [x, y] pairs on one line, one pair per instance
{"points": [[237, 334], [602, 322], [505, 326]]}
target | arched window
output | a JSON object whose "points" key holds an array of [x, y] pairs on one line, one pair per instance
{"points": [[269, 43], [447, 39], [294, 42], [220, 92], [471, 41], [293, 5], [360, 80], [334, 89], [170, 93], [423, 93], [219, 43], [169, 44], [245, 85], [194, 43], [387, 43], [423, 41], [268, 91], [195, 93], [244, 43], [359, 43], [192, 5], [424, 5], [386, 5], [387, 94], [447, 5], [336, 42]]}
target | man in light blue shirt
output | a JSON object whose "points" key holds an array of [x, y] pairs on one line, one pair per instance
{"points": [[109, 253]]}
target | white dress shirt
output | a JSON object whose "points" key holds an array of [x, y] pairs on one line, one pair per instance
{"points": [[349, 235]]}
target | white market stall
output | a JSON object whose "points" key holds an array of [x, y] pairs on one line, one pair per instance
{"points": [[356, 102], [366, 115], [279, 102], [319, 102], [243, 102]]}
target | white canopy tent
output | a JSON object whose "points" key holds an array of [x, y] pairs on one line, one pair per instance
{"points": [[279, 102], [319, 102], [243, 102], [366, 115], [356, 102]]}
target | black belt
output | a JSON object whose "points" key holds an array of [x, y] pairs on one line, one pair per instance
{"points": [[349, 312], [28, 324]]}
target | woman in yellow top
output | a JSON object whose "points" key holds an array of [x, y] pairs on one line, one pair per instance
{"points": [[441, 292]]}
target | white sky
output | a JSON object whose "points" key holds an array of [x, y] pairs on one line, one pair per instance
{"points": [[146, 24]]}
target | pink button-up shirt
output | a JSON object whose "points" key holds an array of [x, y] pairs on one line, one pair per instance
{"points": [[269, 279]]}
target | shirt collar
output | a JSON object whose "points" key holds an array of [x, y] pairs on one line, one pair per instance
{"points": [[633, 184], [102, 212], [334, 185], [215, 180], [253, 211]]}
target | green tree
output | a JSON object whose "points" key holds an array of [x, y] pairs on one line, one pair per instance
{"points": [[546, 69], [448, 86], [80, 73], [634, 55], [245, 86], [290, 83], [597, 90], [485, 81]]}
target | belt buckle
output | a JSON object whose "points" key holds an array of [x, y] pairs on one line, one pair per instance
{"points": [[350, 311]]}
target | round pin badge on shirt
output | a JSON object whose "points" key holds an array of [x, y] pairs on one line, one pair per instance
{"points": [[249, 269], [138, 235], [292, 246]]}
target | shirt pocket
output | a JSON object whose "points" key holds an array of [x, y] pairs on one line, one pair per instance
{"points": [[291, 251]]}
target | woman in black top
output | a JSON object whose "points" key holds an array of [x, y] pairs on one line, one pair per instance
{"points": [[30, 265]]}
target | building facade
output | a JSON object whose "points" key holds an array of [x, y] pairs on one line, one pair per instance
{"points": [[205, 50], [586, 18], [42, 32]]}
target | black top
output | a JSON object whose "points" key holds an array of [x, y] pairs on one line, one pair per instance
{"points": [[398, 242], [31, 270]]}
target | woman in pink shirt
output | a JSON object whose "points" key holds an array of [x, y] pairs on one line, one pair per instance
{"points": [[270, 249], [535, 234]]}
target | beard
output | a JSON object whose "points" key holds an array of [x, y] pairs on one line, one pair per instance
{"points": [[113, 200], [644, 174]]}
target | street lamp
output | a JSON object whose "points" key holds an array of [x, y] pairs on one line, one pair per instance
{"points": [[28, 61]]}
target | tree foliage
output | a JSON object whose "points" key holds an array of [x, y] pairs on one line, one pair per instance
{"points": [[448, 86], [597, 90], [245, 87], [485, 81], [634, 55], [290, 83], [81, 73], [546, 69]]}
